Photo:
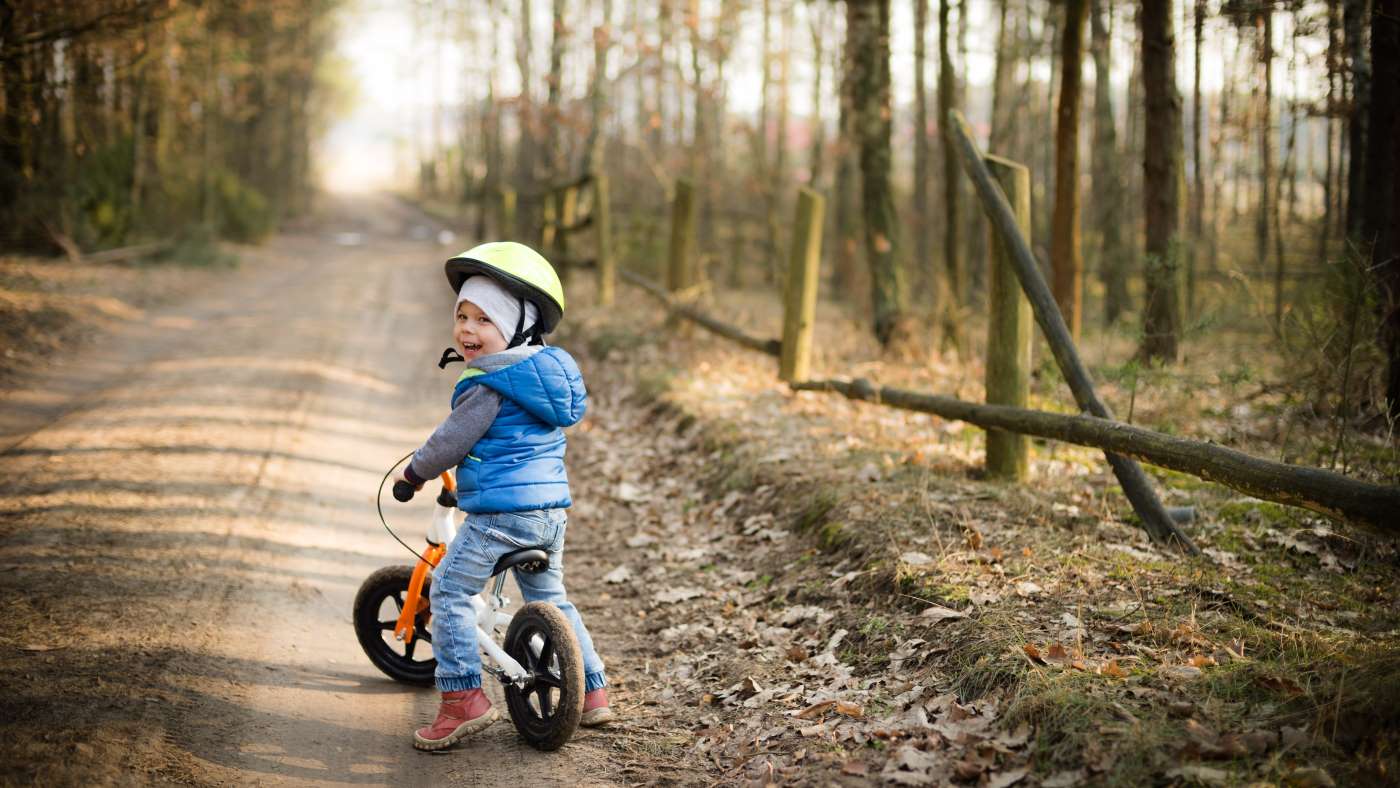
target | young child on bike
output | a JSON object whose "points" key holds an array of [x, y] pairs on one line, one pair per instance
{"points": [[504, 436]]}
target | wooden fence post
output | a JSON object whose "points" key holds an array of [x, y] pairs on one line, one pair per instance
{"points": [[505, 217], [1008, 328], [602, 225], [800, 293], [680, 269]]}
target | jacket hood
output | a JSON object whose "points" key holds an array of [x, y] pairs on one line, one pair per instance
{"points": [[545, 381]]}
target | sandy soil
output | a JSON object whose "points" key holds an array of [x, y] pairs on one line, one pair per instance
{"points": [[187, 509]]}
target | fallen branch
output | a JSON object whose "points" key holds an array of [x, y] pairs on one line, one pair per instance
{"points": [[1332, 494], [772, 347]]}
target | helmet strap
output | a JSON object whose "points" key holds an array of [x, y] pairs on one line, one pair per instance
{"points": [[523, 337], [449, 356]]}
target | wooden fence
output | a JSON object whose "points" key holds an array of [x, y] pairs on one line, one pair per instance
{"points": [[1017, 293]]}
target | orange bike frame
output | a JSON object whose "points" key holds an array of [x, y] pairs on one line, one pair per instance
{"points": [[413, 601]]}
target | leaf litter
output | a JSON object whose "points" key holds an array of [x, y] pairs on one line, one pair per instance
{"points": [[928, 630]]}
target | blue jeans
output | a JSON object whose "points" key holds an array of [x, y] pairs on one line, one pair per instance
{"points": [[464, 571]]}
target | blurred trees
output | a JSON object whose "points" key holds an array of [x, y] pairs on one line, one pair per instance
{"points": [[139, 118], [127, 118]]}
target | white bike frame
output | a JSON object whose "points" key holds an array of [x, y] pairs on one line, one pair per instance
{"points": [[491, 616]]}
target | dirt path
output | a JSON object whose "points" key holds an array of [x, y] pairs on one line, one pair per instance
{"points": [[187, 512]]}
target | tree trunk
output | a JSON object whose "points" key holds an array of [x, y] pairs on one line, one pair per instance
{"points": [[923, 251], [12, 82], [1065, 258], [526, 144], [595, 148], [1354, 25], [846, 217], [553, 109], [868, 47], [700, 169], [778, 176], [1107, 173], [1263, 219], [998, 144], [817, 25], [1161, 167], [762, 168], [1329, 173], [1382, 214], [952, 222], [1198, 154]]}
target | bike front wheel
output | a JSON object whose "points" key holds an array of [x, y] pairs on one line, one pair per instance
{"points": [[377, 608], [547, 710]]}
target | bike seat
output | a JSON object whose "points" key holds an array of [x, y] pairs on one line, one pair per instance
{"points": [[530, 560]]}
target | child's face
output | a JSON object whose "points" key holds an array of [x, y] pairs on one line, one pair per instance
{"points": [[475, 334]]}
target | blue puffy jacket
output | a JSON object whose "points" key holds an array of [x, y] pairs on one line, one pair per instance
{"points": [[518, 464]]}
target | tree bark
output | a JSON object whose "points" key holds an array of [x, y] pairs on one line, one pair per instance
{"points": [[1263, 220], [553, 107], [1314, 489], [818, 23], [999, 141], [868, 32], [778, 175], [1198, 154], [952, 210], [1107, 174], [1328, 187], [1161, 168], [1355, 29], [762, 162], [1065, 258], [526, 145], [846, 216], [1382, 215], [923, 251]]}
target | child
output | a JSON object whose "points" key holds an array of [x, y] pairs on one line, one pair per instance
{"points": [[505, 438]]}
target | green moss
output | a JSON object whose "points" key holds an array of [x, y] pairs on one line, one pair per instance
{"points": [[832, 536]]}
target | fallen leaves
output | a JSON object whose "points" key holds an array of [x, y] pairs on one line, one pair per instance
{"points": [[619, 575], [835, 706], [940, 613], [680, 594], [1026, 589]]}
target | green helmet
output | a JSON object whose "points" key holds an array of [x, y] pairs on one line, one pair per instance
{"points": [[520, 270]]}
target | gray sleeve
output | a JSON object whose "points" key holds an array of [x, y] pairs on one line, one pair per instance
{"points": [[454, 438]]}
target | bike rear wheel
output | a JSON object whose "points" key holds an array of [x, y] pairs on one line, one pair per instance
{"points": [[377, 607], [547, 710]]}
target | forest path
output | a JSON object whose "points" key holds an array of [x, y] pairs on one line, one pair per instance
{"points": [[188, 511]]}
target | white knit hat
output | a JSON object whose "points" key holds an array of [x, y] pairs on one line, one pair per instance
{"points": [[499, 305]]}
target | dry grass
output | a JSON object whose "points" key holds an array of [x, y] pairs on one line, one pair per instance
{"points": [[1287, 629]]}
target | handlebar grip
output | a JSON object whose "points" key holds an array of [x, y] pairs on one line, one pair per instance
{"points": [[403, 491]]}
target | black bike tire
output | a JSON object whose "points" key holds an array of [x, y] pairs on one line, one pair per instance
{"points": [[368, 630], [552, 731]]}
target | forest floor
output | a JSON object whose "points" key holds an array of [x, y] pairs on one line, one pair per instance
{"points": [[788, 588]]}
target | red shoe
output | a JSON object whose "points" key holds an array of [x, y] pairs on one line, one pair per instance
{"points": [[595, 709], [460, 715]]}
